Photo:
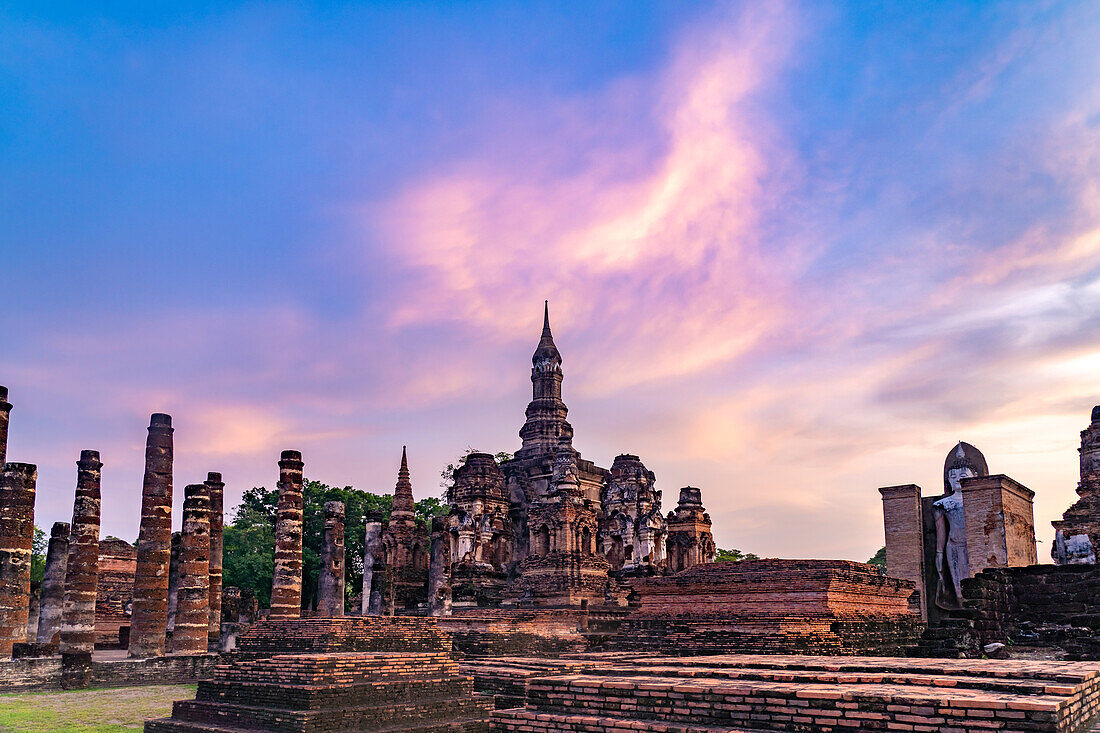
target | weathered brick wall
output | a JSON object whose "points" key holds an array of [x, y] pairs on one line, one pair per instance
{"points": [[1047, 605], [44, 673], [504, 632], [114, 589], [783, 588]]}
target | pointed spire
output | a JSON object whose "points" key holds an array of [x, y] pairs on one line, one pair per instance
{"points": [[546, 319], [546, 351], [403, 493]]}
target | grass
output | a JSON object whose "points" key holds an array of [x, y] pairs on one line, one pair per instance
{"points": [[114, 710]]}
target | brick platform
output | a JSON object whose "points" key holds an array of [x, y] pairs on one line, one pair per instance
{"points": [[620, 692], [336, 674]]}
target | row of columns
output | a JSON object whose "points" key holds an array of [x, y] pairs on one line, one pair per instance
{"points": [[66, 614]]}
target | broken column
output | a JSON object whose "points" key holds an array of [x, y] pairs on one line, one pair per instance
{"points": [[439, 587], [192, 630], [173, 581], [215, 489], [149, 618], [81, 576], [17, 486], [5, 411], [372, 562], [52, 595], [286, 586], [330, 583], [32, 614]]}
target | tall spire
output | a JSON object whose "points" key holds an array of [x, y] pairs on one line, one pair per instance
{"points": [[546, 422], [546, 357], [403, 493]]}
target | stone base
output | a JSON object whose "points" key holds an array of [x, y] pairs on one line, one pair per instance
{"points": [[485, 632], [22, 650], [560, 579], [406, 681]]}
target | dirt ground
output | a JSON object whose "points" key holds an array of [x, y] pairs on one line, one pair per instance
{"points": [[115, 710]]}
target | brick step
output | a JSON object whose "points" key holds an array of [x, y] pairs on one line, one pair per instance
{"points": [[1025, 686], [527, 721], [466, 725], [316, 697], [780, 705], [1064, 672], [371, 717], [304, 669]]}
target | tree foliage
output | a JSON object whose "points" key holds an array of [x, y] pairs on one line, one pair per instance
{"points": [[39, 545], [249, 560], [733, 555], [879, 560]]}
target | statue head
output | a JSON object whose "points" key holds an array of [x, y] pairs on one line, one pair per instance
{"points": [[964, 461]]}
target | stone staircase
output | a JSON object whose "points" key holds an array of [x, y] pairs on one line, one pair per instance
{"points": [[733, 694], [408, 684]]}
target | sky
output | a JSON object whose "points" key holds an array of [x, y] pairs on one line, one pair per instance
{"points": [[793, 251]]}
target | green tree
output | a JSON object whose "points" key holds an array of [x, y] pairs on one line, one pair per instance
{"points": [[733, 555], [879, 560], [39, 545]]}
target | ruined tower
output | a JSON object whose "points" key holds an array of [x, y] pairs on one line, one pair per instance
{"points": [[406, 546], [690, 541], [479, 529], [528, 475], [1077, 533], [633, 530]]}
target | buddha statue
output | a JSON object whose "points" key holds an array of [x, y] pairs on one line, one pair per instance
{"points": [[952, 561]]}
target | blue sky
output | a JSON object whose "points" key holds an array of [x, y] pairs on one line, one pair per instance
{"points": [[793, 251]]}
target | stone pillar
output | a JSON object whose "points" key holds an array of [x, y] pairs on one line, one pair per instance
{"points": [[901, 516], [286, 586], [372, 558], [82, 576], [192, 630], [17, 486], [149, 618], [330, 583], [215, 488], [439, 587], [1000, 523], [173, 581], [5, 411], [52, 596], [32, 614]]}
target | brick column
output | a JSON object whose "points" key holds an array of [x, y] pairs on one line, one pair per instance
{"points": [[32, 615], [51, 599], [192, 630], [1000, 524], [330, 582], [17, 486], [82, 576], [5, 411], [173, 582], [149, 618], [216, 490], [372, 557], [901, 515], [286, 586], [439, 568]]}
